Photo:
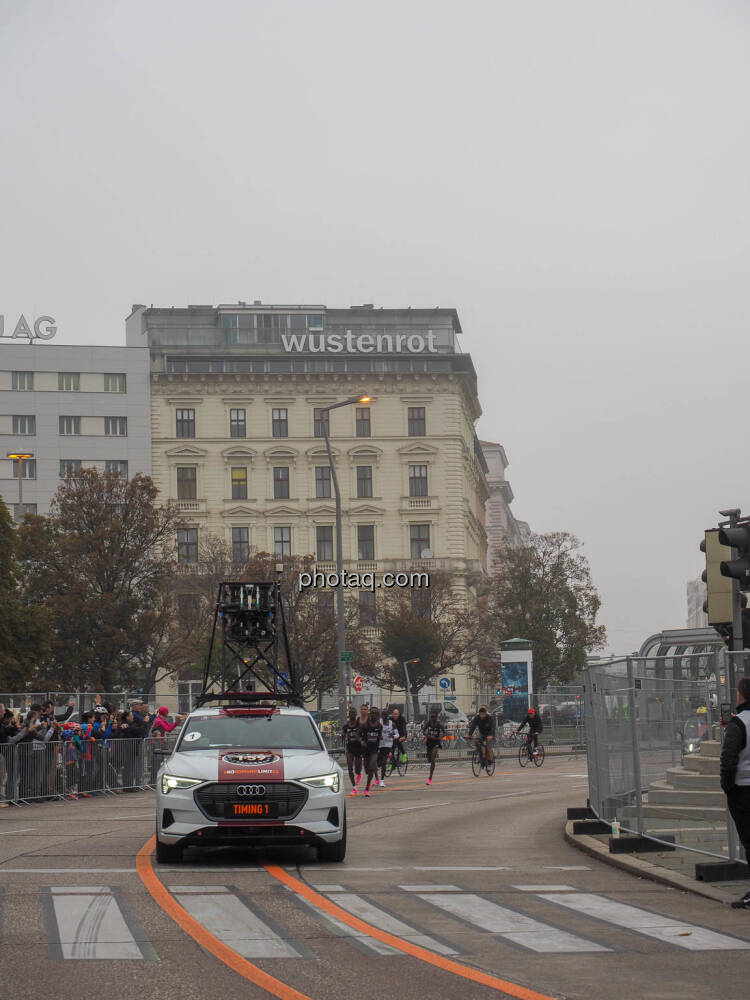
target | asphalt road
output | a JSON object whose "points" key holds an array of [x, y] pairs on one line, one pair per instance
{"points": [[463, 889]]}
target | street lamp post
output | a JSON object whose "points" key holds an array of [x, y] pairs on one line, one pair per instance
{"points": [[20, 457], [405, 665], [340, 636]]}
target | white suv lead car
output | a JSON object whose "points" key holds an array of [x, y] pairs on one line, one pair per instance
{"points": [[251, 773]]}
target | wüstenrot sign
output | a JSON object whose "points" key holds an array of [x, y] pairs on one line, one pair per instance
{"points": [[44, 328], [360, 343]]}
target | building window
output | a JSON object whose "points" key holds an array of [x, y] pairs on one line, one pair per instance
{"points": [[280, 423], [270, 327], [322, 480], [187, 545], [69, 425], [237, 424], [185, 423], [365, 542], [24, 425], [188, 607], [417, 423], [115, 383], [69, 467], [281, 482], [282, 542], [363, 422], [116, 426], [240, 545], [421, 605], [367, 617], [324, 542], [116, 466], [325, 600], [20, 509], [418, 481], [187, 482], [22, 381], [239, 483], [364, 480], [68, 381], [320, 417], [419, 538], [28, 468]]}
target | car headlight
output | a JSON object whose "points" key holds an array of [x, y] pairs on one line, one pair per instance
{"points": [[169, 782], [323, 781]]}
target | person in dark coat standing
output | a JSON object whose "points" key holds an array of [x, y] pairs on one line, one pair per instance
{"points": [[735, 773]]}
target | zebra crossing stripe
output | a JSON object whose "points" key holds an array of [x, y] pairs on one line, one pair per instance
{"points": [[514, 927], [235, 923], [86, 922], [691, 937], [360, 907], [365, 943]]}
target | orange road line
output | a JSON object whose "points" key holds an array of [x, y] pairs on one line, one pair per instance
{"points": [[204, 938], [446, 964]]}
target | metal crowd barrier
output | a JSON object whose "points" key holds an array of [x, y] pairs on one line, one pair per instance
{"points": [[35, 771]]}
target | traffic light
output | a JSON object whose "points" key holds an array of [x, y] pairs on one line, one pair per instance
{"points": [[738, 569], [718, 604]]}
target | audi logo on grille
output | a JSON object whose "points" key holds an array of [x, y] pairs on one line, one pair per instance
{"points": [[251, 789]]}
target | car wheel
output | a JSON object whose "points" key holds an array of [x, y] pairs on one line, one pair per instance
{"points": [[166, 853], [334, 852]]}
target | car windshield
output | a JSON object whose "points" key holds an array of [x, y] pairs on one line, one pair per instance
{"points": [[250, 732]]}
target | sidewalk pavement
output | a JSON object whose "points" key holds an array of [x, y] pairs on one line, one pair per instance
{"points": [[675, 868]]}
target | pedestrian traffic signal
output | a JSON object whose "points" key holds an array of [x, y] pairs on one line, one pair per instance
{"points": [[718, 603], [737, 569]]}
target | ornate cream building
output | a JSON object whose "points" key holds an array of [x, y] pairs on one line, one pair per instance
{"points": [[237, 442]]}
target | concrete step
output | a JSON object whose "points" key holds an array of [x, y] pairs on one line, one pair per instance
{"points": [[680, 777], [710, 748], [660, 793], [703, 765]]}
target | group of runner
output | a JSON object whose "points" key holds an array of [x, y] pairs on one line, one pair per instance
{"points": [[372, 738]]}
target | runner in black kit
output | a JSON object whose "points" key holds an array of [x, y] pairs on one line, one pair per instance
{"points": [[353, 745], [433, 733], [371, 734]]}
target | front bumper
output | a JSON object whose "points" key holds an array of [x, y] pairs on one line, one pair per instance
{"points": [[179, 820]]}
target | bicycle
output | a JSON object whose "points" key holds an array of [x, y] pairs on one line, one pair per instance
{"points": [[479, 760], [397, 764], [509, 740], [525, 754]]}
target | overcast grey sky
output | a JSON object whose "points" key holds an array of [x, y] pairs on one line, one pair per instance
{"points": [[572, 176]]}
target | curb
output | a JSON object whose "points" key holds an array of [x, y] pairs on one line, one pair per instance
{"points": [[641, 869]]}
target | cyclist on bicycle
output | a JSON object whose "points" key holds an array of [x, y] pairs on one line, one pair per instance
{"points": [[433, 733], [534, 723], [399, 739], [484, 724]]}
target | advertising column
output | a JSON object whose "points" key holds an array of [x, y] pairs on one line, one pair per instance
{"points": [[517, 677]]}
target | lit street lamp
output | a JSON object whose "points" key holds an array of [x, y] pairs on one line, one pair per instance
{"points": [[340, 638], [20, 457], [405, 665]]}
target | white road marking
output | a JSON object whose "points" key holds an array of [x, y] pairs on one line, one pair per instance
{"points": [[328, 888], [25, 829], [464, 868], [227, 918], [515, 927], [344, 930], [198, 888], [65, 871], [632, 918], [430, 888], [90, 924], [566, 868], [545, 888], [385, 921]]}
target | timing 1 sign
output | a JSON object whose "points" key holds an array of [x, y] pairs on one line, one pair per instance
{"points": [[44, 329]]}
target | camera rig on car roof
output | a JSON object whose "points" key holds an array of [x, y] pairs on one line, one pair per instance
{"points": [[251, 616]]}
